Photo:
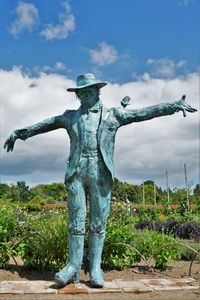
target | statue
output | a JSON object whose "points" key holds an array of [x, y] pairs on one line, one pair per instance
{"points": [[92, 129]]}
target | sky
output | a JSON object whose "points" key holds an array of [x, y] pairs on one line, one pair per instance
{"points": [[146, 49]]}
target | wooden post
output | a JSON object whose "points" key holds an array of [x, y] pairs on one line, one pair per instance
{"points": [[186, 184], [154, 192], [143, 195], [167, 184]]}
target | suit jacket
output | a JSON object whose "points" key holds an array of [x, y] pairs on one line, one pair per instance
{"points": [[110, 120]]}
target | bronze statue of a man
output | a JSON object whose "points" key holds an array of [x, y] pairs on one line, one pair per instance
{"points": [[92, 129]]}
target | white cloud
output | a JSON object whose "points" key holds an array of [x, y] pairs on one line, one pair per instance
{"points": [[185, 2], [27, 18], [105, 54], [38, 70], [60, 66], [61, 30], [143, 150], [165, 67]]}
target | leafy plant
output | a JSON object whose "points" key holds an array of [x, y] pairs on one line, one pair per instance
{"points": [[153, 245], [124, 247], [116, 255], [47, 247], [9, 230]]}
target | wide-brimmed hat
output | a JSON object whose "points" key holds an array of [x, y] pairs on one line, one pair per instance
{"points": [[84, 81]]}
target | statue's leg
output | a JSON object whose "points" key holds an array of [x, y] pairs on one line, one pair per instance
{"points": [[100, 192], [76, 225]]}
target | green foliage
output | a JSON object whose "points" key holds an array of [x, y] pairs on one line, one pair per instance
{"points": [[153, 214], [187, 253], [40, 238], [9, 231], [37, 200], [5, 252], [155, 245], [50, 192], [3, 191], [167, 211], [54, 192], [123, 190], [196, 191], [7, 223], [21, 192], [124, 247], [114, 255], [184, 208], [178, 195], [15, 192], [46, 247]]}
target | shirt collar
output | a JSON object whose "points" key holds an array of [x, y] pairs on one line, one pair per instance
{"points": [[95, 108]]}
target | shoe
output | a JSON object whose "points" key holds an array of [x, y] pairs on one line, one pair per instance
{"points": [[71, 272], [65, 275]]}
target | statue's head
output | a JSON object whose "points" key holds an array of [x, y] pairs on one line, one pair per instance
{"points": [[87, 89], [86, 80]]}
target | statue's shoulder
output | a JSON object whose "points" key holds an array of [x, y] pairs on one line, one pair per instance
{"points": [[117, 110], [112, 114], [70, 112], [118, 113], [111, 109]]}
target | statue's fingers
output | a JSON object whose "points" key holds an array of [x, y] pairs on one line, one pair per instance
{"points": [[183, 97], [191, 109], [8, 148], [5, 145], [184, 113], [188, 107]]}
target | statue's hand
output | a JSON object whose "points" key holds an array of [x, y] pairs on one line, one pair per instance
{"points": [[9, 144], [181, 105]]}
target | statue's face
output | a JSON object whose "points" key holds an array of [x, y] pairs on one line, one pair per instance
{"points": [[88, 94]]}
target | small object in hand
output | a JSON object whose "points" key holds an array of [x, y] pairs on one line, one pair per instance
{"points": [[125, 101]]}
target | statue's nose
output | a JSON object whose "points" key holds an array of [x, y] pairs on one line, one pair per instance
{"points": [[87, 92]]}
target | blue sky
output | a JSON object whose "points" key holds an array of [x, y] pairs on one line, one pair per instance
{"points": [[147, 49], [135, 31]]}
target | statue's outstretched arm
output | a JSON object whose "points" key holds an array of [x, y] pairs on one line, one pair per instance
{"points": [[127, 116], [41, 127]]}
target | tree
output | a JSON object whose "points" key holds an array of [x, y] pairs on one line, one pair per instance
{"points": [[24, 191], [196, 191], [4, 191], [55, 191]]}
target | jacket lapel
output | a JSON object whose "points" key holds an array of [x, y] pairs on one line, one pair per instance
{"points": [[104, 116]]}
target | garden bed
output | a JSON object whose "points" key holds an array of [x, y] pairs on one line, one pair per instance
{"points": [[177, 269]]}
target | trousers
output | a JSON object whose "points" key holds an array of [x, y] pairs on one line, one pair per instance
{"points": [[91, 180]]}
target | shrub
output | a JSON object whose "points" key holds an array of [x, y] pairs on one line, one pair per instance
{"points": [[116, 254], [188, 253], [144, 225], [157, 246], [46, 247], [8, 230], [188, 230], [124, 247], [185, 230]]}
